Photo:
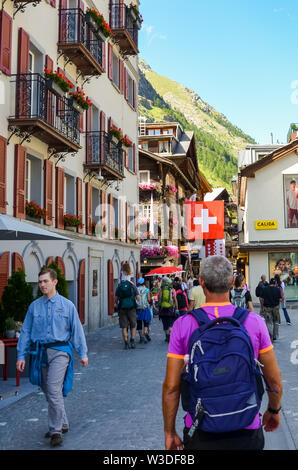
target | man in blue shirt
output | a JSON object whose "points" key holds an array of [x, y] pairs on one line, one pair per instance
{"points": [[52, 320]]}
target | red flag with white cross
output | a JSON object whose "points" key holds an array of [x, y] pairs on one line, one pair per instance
{"points": [[205, 220]]}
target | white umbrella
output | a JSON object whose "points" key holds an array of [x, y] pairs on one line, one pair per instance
{"points": [[17, 229]]}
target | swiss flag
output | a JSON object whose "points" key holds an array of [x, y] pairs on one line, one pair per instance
{"points": [[205, 220]]}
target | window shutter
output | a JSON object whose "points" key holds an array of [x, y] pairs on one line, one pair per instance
{"points": [[127, 222], [53, 3], [62, 21], [134, 158], [134, 95], [5, 42], [3, 157], [103, 212], [102, 136], [80, 203], [4, 271], [48, 196], [20, 182], [122, 220], [49, 64], [17, 262], [89, 158], [103, 55], [110, 61], [59, 197], [81, 291], [121, 76], [111, 295], [23, 51], [111, 216], [121, 14], [61, 265], [88, 209], [126, 84]]}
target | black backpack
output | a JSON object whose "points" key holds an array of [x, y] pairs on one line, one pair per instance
{"points": [[180, 296]]}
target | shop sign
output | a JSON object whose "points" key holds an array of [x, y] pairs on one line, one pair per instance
{"points": [[266, 224]]}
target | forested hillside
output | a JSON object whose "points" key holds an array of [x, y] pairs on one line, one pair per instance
{"points": [[217, 140]]}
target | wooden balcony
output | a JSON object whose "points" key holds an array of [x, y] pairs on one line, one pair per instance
{"points": [[124, 28], [104, 155], [40, 112], [80, 43]]}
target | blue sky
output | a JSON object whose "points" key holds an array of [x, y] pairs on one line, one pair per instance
{"points": [[240, 56]]}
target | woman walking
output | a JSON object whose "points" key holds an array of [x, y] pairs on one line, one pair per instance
{"points": [[283, 303]]}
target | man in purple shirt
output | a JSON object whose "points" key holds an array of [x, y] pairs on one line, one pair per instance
{"points": [[216, 274]]}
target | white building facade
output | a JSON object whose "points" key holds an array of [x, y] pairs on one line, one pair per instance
{"points": [[64, 158], [268, 218]]}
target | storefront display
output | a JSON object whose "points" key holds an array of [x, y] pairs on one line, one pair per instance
{"points": [[286, 265]]}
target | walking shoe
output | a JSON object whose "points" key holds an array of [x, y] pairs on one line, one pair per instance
{"points": [[126, 345], [145, 339], [56, 440], [289, 323], [48, 434], [132, 344], [148, 337]]}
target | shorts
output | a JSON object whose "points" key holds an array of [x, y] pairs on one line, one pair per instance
{"points": [[244, 439], [167, 322], [127, 317]]}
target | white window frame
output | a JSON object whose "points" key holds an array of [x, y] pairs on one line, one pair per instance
{"points": [[146, 174]]}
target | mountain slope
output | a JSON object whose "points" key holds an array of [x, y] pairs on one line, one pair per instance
{"points": [[217, 140]]}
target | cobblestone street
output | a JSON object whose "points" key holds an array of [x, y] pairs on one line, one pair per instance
{"points": [[115, 403]]}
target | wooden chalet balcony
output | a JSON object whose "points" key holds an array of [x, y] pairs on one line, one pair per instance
{"points": [[80, 43], [103, 154], [124, 27], [40, 112]]}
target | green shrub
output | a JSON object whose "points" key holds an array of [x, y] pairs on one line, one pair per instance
{"points": [[16, 297]]}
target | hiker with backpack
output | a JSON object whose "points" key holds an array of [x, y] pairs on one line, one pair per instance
{"points": [[126, 296], [182, 299], [143, 311], [239, 295], [168, 306], [263, 283], [221, 387]]}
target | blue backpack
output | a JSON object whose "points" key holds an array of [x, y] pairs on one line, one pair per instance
{"points": [[222, 374]]}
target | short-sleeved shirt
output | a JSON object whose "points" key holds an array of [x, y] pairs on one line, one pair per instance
{"points": [[198, 296], [271, 296], [247, 296], [185, 325]]}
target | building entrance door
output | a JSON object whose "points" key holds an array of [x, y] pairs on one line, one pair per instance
{"points": [[95, 314]]}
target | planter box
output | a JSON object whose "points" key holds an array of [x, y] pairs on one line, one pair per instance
{"points": [[33, 219], [70, 228], [76, 105], [54, 87]]}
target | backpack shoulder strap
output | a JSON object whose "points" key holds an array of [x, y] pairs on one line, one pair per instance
{"points": [[241, 314], [201, 316]]}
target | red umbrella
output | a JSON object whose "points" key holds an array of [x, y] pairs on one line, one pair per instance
{"points": [[165, 270]]}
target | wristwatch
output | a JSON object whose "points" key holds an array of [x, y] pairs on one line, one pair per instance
{"points": [[274, 412]]}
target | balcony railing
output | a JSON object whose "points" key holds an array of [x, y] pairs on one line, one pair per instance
{"points": [[79, 42], [124, 27], [104, 154], [39, 111]]}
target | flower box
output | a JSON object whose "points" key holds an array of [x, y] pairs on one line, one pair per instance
{"points": [[90, 20], [70, 228], [57, 82], [34, 212], [71, 221], [98, 24], [76, 105], [54, 87]]}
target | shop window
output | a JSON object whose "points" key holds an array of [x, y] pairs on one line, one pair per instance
{"points": [[285, 264]]}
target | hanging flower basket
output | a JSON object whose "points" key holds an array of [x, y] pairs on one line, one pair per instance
{"points": [[98, 24], [57, 82], [79, 102], [136, 16], [115, 134]]}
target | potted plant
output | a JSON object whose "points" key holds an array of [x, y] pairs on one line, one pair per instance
{"points": [[34, 212], [71, 222], [16, 298], [57, 82], [98, 24], [79, 102], [10, 328], [136, 16], [126, 142], [115, 134]]}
